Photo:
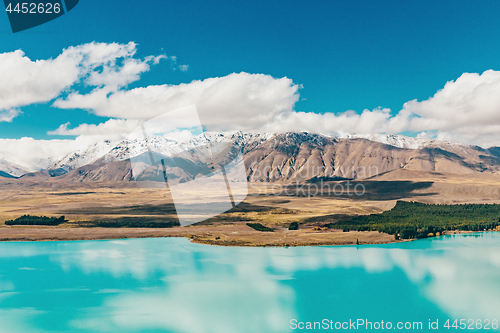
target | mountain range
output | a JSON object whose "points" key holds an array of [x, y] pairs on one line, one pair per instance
{"points": [[288, 157]]}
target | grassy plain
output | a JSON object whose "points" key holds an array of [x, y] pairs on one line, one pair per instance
{"points": [[107, 210]]}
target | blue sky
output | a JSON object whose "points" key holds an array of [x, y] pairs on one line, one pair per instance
{"points": [[346, 55]]}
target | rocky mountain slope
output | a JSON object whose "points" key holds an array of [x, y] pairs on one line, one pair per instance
{"points": [[290, 157]]}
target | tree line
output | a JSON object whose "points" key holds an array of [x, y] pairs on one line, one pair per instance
{"points": [[408, 220], [36, 220]]}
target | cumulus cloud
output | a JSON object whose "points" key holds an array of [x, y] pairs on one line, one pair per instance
{"points": [[369, 121], [472, 98], [112, 127], [8, 115], [239, 100], [26, 81], [466, 110], [33, 155]]}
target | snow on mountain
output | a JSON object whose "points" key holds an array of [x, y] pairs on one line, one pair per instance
{"points": [[11, 168], [119, 151], [168, 147], [83, 156], [399, 141], [130, 148], [30, 156], [17, 167]]}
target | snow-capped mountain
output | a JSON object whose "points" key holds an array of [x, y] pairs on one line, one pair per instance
{"points": [[11, 169], [108, 151], [399, 141], [274, 157], [16, 167], [82, 157]]}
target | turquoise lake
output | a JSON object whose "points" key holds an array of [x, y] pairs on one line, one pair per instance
{"points": [[172, 285]]}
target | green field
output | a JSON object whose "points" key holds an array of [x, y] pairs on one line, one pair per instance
{"points": [[417, 220]]}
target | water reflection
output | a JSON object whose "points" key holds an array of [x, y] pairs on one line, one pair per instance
{"points": [[175, 286]]}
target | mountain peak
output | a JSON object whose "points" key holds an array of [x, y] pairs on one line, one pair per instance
{"points": [[296, 149]]}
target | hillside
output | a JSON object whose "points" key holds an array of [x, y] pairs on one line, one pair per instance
{"points": [[290, 157]]}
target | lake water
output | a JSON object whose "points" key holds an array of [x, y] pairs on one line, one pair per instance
{"points": [[172, 285]]}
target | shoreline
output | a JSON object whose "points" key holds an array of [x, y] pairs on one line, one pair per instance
{"points": [[220, 235], [227, 235]]}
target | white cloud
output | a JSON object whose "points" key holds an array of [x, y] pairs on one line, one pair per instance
{"points": [[112, 127], [466, 110], [471, 99], [374, 121], [34, 155], [8, 115], [181, 136], [183, 68], [25, 81], [239, 100]]}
